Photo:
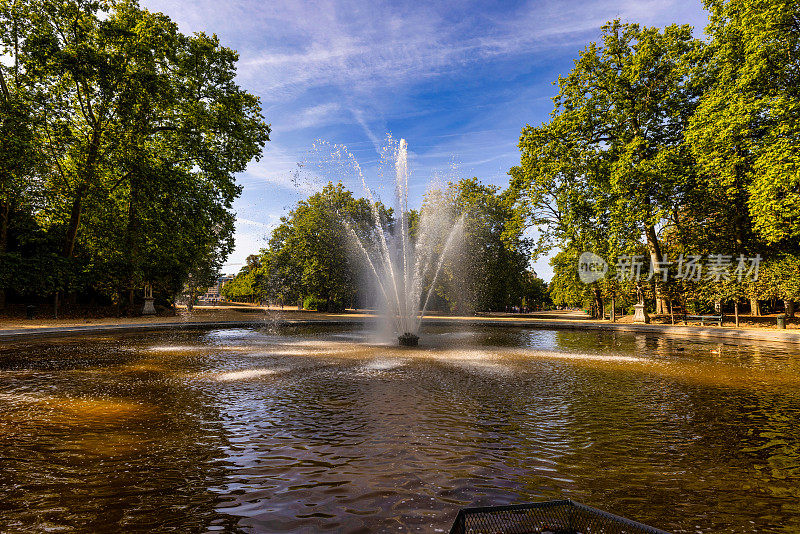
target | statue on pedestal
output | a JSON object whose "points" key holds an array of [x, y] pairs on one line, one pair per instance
{"points": [[640, 314], [148, 308]]}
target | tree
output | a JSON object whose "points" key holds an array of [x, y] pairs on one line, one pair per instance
{"points": [[310, 253], [746, 131], [535, 294], [141, 130], [612, 163], [744, 135], [487, 272], [245, 285], [781, 277], [566, 289], [18, 157]]}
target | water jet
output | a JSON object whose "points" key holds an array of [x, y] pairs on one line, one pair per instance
{"points": [[405, 270]]}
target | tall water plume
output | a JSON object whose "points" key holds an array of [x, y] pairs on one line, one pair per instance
{"points": [[404, 268]]}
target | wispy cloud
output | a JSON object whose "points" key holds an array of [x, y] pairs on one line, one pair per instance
{"points": [[458, 79], [365, 49], [256, 224], [362, 121], [311, 117], [282, 172]]}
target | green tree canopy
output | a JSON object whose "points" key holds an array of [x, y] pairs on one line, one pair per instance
{"points": [[746, 131], [140, 131], [310, 254], [611, 166], [488, 271]]}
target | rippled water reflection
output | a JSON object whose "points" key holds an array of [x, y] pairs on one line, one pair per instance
{"points": [[310, 429]]}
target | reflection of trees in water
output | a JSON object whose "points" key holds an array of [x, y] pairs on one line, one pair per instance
{"points": [[658, 448], [770, 447], [376, 441], [106, 443]]}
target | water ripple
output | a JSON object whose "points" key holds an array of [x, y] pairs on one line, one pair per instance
{"points": [[310, 430]]}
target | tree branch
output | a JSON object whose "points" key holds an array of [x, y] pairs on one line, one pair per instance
{"points": [[3, 86]]}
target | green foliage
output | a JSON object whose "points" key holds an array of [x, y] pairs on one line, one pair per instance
{"points": [[41, 274], [138, 131], [611, 164], [745, 132], [535, 292], [313, 303], [566, 289], [662, 145], [310, 252], [613, 150], [781, 277], [245, 285], [488, 270]]}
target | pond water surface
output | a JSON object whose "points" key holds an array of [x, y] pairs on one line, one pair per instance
{"points": [[311, 429]]}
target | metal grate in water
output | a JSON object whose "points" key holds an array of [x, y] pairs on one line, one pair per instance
{"points": [[551, 517]]}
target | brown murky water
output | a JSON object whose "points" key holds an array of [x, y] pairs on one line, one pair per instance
{"points": [[307, 430]]}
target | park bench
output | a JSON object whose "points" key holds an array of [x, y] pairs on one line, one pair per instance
{"points": [[703, 319]]}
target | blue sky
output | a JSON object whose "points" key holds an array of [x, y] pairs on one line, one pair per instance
{"points": [[458, 80]]}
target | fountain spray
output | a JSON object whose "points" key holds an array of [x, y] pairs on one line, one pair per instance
{"points": [[402, 269]]}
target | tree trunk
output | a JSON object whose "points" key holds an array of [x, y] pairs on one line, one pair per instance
{"points": [[74, 221], [120, 299], [598, 304], [87, 177], [755, 308], [131, 243], [736, 312], [613, 315], [5, 204], [190, 302], [655, 260], [5, 211], [788, 305]]}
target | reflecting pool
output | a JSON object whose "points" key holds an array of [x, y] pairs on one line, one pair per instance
{"points": [[314, 429]]}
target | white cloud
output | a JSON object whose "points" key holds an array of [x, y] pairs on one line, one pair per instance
{"points": [[369, 52], [310, 117], [251, 237], [246, 244], [365, 49], [352, 66], [276, 167], [360, 117]]}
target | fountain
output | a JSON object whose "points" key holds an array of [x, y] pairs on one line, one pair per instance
{"points": [[406, 270]]}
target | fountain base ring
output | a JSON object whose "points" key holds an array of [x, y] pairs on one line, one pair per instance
{"points": [[408, 340]]}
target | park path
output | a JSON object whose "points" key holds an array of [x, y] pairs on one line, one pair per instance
{"points": [[248, 316]]}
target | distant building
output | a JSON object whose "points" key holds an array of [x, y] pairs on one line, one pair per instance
{"points": [[213, 294]]}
